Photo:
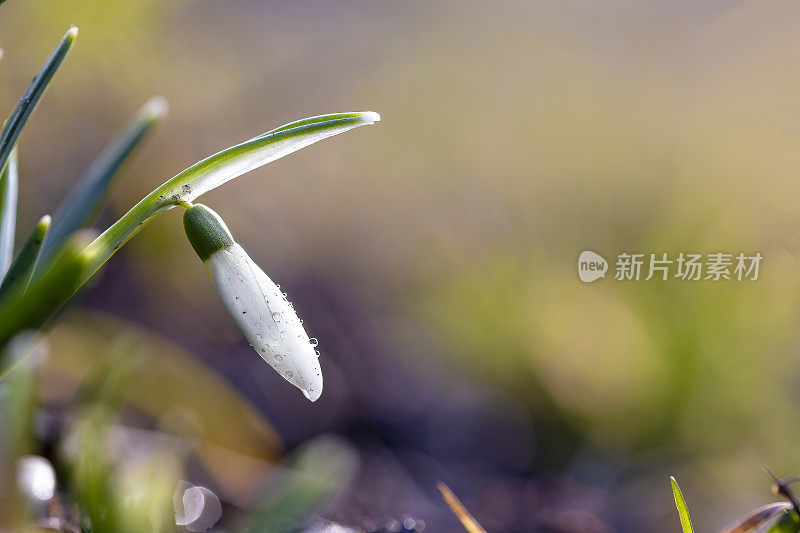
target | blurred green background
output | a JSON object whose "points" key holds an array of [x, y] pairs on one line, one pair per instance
{"points": [[434, 254]]}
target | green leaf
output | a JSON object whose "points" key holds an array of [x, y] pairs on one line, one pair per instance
{"points": [[683, 510], [82, 204], [9, 184], [17, 388], [232, 162], [25, 263], [46, 294], [220, 168], [318, 119], [91, 468], [317, 472], [28, 102]]}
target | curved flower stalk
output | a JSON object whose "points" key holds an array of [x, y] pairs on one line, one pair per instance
{"points": [[20, 309], [260, 310], [221, 168], [47, 273]]}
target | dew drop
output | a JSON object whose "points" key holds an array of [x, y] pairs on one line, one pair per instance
{"points": [[313, 341]]}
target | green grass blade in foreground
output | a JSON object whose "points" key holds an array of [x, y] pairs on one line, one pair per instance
{"points": [[9, 185], [86, 199], [24, 264], [683, 510], [28, 102], [18, 381], [220, 168], [46, 294], [317, 472]]}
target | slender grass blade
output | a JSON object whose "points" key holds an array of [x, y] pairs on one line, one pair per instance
{"points": [[25, 263], [83, 203], [467, 520], [316, 474], [28, 102], [9, 185], [683, 510], [47, 293]]}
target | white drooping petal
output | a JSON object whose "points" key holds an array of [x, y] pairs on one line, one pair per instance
{"points": [[266, 318]]}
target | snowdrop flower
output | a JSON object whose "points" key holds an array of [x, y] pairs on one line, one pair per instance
{"points": [[256, 304]]}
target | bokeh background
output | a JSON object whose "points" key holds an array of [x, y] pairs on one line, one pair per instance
{"points": [[433, 254]]}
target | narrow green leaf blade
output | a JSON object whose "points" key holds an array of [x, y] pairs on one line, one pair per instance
{"points": [[25, 263], [82, 204], [47, 293], [319, 119], [18, 387], [232, 162], [317, 473], [9, 185], [683, 510], [28, 102], [220, 168]]}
